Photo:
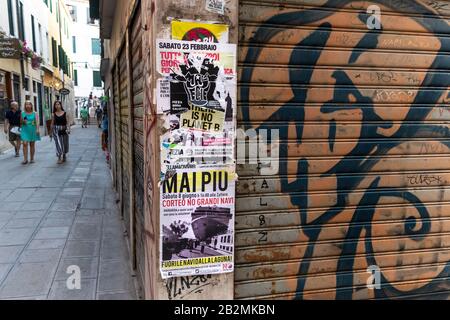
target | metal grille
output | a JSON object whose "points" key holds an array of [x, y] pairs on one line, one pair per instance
{"points": [[364, 170], [138, 94], [124, 114]]}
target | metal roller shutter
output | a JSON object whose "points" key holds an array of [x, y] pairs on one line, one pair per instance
{"points": [[137, 64], [117, 134], [124, 114], [364, 149]]}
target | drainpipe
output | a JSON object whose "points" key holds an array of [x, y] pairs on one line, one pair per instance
{"points": [[22, 67]]}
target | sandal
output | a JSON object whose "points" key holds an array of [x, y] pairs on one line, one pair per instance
{"points": [[25, 162], [31, 161]]}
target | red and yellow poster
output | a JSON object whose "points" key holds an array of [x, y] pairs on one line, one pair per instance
{"points": [[199, 32]]}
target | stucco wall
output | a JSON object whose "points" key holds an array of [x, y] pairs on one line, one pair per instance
{"points": [[195, 287]]}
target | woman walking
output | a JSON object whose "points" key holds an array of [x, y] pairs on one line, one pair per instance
{"points": [[60, 131], [29, 133]]}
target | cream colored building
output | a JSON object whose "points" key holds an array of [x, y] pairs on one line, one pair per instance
{"points": [[45, 27]]}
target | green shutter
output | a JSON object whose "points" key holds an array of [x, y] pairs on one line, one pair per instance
{"points": [[11, 18], [74, 44], [96, 47], [54, 53], [97, 79], [33, 33]]}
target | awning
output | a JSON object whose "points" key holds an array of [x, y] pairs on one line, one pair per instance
{"points": [[104, 67], [47, 68], [107, 10]]}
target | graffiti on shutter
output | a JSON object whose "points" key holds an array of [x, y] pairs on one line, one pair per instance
{"points": [[364, 171]]}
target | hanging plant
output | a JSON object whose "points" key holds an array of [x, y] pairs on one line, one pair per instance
{"points": [[36, 60]]}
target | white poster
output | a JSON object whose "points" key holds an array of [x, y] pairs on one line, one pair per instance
{"points": [[197, 221], [216, 6]]}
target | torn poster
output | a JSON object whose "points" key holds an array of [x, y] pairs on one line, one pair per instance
{"points": [[216, 6], [200, 74], [197, 95]]}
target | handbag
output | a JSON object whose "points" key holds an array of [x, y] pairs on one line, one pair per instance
{"points": [[15, 130]]}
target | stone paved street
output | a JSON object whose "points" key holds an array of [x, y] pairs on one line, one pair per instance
{"points": [[54, 216]]}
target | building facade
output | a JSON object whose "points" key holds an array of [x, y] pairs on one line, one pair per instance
{"points": [[43, 27], [86, 52], [358, 93]]}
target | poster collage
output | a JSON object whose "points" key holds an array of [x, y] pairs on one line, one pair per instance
{"points": [[196, 96]]}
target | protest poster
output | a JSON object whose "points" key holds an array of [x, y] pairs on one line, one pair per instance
{"points": [[196, 98], [203, 119], [197, 95], [163, 96], [200, 74], [199, 32], [197, 221]]}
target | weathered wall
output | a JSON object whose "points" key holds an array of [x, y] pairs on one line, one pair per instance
{"points": [[125, 104], [159, 14], [124, 9], [364, 173]]}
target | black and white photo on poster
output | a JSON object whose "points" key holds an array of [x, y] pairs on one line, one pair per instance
{"points": [[197, 221]]}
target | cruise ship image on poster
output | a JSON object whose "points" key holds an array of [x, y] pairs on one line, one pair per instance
{"points": [[208, 222]]}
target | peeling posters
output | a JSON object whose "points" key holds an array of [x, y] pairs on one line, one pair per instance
{"points": [[197, 97], [199, 74]]}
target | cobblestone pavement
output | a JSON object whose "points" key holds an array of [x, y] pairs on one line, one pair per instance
{"points": [[55, 216]]}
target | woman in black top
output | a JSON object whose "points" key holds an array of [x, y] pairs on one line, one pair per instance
{"points": [[60, 131]]}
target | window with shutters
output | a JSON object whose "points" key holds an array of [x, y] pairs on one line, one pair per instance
{"points": [[97, 80], [54, 53], [73, 12], [21, 23], [11, 18], [74, 44], [33, 33], [96, 47]]}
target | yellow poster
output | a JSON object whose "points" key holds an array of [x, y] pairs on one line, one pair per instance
{"points": [[203, 119], [200, 32]]}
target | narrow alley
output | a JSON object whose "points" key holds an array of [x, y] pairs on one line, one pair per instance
{"points": [[55, 216]]}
